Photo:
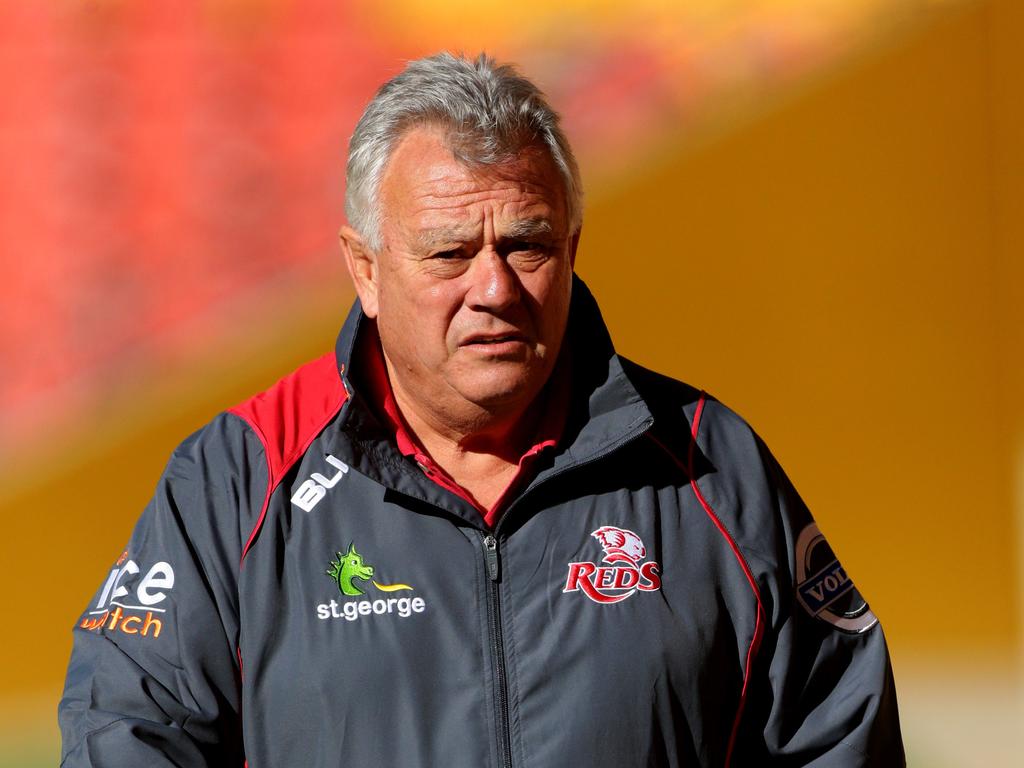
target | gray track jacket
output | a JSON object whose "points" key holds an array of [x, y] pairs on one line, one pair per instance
{"points": [[298, 593]]}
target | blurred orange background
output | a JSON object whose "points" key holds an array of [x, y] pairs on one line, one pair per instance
{"points": [[813, 209]]}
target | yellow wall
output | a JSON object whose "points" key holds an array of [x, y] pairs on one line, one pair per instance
{"points": [[1008, 205]]}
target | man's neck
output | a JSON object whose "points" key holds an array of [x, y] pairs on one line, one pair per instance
{"points": [[481, 452], [471, 429]]}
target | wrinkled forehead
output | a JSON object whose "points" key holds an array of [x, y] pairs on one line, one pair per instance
{"points": [[426, 188]]}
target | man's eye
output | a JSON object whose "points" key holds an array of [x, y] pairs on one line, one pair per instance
{"points": [[446, 255], [527, 246]]}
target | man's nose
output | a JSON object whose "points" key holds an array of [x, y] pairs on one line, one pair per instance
{"points": [[494, 284]]}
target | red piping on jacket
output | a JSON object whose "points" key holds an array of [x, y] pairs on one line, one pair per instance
{"points": [[271, 484], [755, 641]]}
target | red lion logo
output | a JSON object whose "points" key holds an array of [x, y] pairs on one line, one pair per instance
{"points": [[624, 574], [620, 545]]}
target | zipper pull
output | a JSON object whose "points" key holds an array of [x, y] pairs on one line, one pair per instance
{"points": [[491, 555]]}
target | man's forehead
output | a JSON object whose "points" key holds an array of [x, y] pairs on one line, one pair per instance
{"points": [[425, 185]]}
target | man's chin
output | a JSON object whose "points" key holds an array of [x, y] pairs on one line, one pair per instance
{"points": [[502, 390]]}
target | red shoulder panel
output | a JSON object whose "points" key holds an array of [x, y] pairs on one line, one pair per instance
{"points": [[288, 417]]}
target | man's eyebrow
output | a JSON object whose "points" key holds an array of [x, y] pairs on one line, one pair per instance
{"points": [[522, 229], [430, 238]]}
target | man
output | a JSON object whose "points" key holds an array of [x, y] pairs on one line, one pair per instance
{"points": [[473, 535]]}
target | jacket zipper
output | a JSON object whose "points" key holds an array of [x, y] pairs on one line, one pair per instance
{"points": [[492, 560], [497, 643]]}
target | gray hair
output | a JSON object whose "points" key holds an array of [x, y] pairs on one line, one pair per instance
{"points": [[489, 112]]}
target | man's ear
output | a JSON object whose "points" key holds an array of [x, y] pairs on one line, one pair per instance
{"points": [[573, 245], [362, 266]]}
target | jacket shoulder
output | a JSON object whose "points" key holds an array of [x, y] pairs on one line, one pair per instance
{"points": [[746, 486], [677, 405], [721, 452], [289, 415], [677, 409], [663, 395], [651, 382]]}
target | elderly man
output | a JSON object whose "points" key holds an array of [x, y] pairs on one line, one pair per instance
{"points": [[473, 535]]}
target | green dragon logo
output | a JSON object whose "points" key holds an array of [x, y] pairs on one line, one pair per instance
{"points": [[350, 566]]}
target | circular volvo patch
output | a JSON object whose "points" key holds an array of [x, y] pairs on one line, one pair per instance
{"points": [[823, 587]]}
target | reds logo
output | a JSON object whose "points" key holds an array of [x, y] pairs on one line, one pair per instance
{"points": [[624, 575]]}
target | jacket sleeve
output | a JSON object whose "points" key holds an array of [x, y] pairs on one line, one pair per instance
{"points": [[154, 677], [821, 689]]}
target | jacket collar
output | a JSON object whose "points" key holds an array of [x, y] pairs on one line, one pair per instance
{"points": [[605, 409]]}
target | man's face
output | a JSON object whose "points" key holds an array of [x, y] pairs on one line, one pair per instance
{"points": [[473, 279]]}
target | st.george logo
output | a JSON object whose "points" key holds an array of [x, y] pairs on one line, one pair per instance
{"points": [[624, 574], [350, 572]]}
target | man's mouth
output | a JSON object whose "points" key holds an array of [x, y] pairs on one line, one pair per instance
{"points": [[496, 341]]}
